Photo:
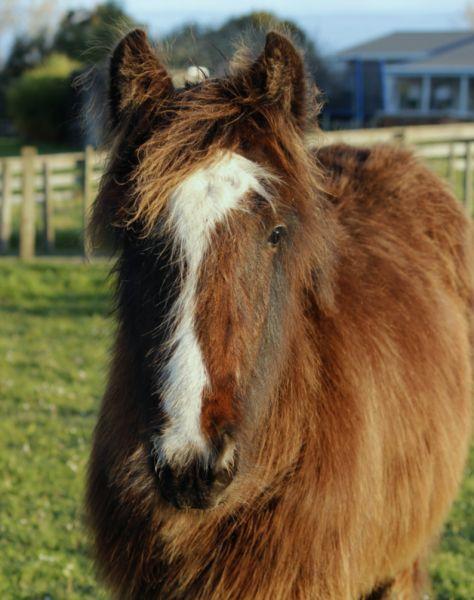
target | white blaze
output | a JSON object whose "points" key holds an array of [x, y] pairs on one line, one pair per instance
{"points": [[201, 201]]}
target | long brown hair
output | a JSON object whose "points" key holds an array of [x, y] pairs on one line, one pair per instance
{"points": [[328, 310]]}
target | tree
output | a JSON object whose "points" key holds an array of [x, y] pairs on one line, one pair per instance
{"points": [[8, 16], [87, 35], [82, 35], [25, 53], [39, 102], [469, 12], [15, 21], [193, 44]]}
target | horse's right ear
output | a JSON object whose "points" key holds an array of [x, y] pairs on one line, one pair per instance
{"points": [[279, 73], [136, 75]]}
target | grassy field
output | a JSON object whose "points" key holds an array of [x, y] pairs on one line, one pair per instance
{"points": [[54, 335], [53, 342]]}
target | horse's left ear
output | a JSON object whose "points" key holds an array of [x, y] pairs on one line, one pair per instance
{"points": [[280, 71], [136, 76]]}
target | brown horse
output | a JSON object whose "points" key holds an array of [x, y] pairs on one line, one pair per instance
{"points": [[288, 409]]}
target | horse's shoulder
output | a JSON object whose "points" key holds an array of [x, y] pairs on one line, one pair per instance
{"points": [[383, 182], [365, 172], [387, 196]]}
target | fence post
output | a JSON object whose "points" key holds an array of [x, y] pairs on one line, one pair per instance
{"points": [[468, 178], [27, 223], [88, 196], [452, 165], [6, 206], [400, 136], [48, 208]]}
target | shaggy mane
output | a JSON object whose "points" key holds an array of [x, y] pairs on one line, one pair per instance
{"points": [[194, 125], [333, 420]]}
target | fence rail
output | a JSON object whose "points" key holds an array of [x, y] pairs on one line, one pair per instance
{"points": [[453, 144], [48, 179], [33, 181]]}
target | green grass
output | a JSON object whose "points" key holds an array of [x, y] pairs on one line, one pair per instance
{"points": [[53, 343], [53, 354], [11, 146]]}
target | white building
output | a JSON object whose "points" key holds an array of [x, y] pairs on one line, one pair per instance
{"points": [[410, 75], [440, 86]]}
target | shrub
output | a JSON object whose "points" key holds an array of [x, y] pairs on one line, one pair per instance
{"points": [[40, 101]]}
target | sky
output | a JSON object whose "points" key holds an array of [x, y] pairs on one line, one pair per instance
{"points": [[288, 6], [333, 24]]}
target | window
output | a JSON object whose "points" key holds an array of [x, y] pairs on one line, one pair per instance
{"points": [[444, 93], [408, 92], [470, 102]]}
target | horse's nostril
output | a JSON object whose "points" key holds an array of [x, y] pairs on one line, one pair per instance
{"points": [[195, 486], [200, 481]]}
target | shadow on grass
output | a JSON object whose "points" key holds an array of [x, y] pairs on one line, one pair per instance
{"points": [[64, 305], [67, 242]]}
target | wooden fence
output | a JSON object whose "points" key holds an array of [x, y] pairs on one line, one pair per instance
{"points": [[452, 144], [31, 180]]}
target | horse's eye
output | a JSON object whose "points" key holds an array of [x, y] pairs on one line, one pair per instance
{"points": [[276, 235]]}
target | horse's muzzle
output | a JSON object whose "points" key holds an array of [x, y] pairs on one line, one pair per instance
{"points": [[200, 484], [194, 487]]}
